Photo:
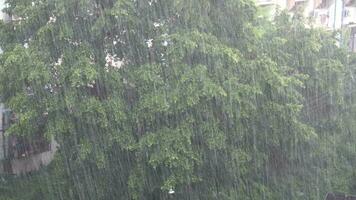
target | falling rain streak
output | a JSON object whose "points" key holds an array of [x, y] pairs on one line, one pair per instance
{"points": [[175, 99]]}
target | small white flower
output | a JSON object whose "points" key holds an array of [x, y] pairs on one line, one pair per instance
{"points": [[113, 61], [90, 12], [125, 81], [157, 24], [92, 60], [52, 19], [171, 191], [91, 85], [151, 2], [25, 45], [33, 3], [118, 64], [59, 61], [165, 43], [18, 19], [149, 43], [74, 43]]}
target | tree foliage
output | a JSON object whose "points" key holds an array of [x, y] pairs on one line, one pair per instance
{"points": [[195, 96]]}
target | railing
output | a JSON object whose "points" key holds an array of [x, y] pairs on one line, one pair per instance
{"points": [[20, 154], [265, 2], [339, 196], [21, 147]]}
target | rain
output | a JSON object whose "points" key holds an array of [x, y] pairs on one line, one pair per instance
{"points": [[177, 99]]}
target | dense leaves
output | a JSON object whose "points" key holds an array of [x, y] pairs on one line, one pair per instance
{"points": [[191, 96]]}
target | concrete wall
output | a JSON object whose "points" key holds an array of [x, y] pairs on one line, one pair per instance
{"points": [[26, 164], [335, 14], [31, 163], [3, 16], [321, 18], [330, 15], [34, 162], [2, 6], [309, 8], [351, 18]]}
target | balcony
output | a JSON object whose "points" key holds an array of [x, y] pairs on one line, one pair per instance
{"points": [[28, 162], [265, 2], [350, 3], [339, 196], [20, 155], [323, 4]]}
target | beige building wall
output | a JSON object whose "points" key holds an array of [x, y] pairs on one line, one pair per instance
{"points": [[34, 162], [309, 8], [3, 16], [350, 15], [330, 14], [28, 164]]}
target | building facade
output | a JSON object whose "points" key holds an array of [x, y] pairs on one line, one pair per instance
{"points": [[3, 16], [19, 154], [328, 14]]}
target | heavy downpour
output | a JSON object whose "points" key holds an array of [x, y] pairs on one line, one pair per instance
{"points": [[178, 100]]}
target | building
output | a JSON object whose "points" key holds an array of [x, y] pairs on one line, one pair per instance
{"points": [[329, 14], [339, 196], [3, 16], [20, 154]]}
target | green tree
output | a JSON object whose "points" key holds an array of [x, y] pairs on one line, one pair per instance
{"points": [[145, 97]]}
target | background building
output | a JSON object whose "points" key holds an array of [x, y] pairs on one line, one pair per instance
{"points": [[3, 16], [329, 14]]}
